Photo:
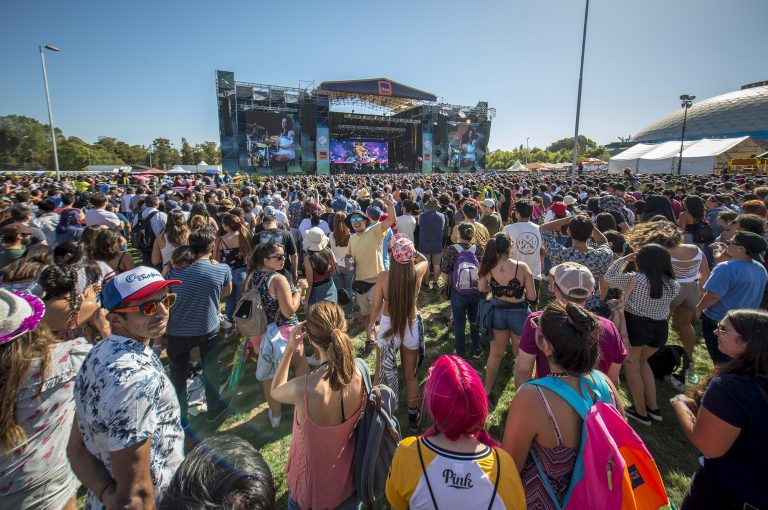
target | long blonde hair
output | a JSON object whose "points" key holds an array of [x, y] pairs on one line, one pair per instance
{"points": [[176, 228], [16, 358]]}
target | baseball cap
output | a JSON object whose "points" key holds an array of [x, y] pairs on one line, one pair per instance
{"points": [[574, 280], [134, 285], [559, 208], [269, 211], [569, 200], [753, 243], [489, 203]]}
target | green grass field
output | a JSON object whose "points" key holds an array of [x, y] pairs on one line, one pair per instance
{"points": [[675, 456]]}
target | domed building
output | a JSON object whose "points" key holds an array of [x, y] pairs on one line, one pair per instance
{"points": [[734, 114]]}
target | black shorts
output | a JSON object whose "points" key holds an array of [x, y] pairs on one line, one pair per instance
{"points": [[644, 331]]}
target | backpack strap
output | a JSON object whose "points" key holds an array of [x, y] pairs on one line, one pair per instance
{"points": [[545, 480], [458, 248], [579, 403], [426, 478], [365, 373], [498, 476]]}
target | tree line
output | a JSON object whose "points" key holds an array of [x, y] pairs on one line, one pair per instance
{"points": [[560, 151], [25, 144]]}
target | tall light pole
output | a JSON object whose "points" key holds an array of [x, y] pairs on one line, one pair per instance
{"points": [[527, 151], [685, 102], [50, 112], [578, 99]]}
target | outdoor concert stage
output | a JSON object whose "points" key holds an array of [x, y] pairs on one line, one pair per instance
{"points": [[374, 125]]}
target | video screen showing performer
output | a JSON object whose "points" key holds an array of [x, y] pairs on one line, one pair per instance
{"points": [[359, 152], [270, 139], [466, 147]]}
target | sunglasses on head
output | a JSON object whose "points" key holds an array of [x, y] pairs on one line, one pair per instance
{"points": [[150, 307]]}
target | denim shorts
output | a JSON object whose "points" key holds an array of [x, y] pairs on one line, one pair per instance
{"points": [[509, 319]]}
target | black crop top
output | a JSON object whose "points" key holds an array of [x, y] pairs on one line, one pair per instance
{"points": [[513, 289]]}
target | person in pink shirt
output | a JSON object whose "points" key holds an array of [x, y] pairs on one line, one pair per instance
{"points": [[570, 282]]}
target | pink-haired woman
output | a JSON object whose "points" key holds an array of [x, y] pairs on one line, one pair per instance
{"points": [[458, 461]]}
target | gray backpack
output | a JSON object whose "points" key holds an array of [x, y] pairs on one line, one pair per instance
{"points": [[377, 436]]}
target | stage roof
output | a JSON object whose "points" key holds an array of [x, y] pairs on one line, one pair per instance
{"points": [[381, 92]]}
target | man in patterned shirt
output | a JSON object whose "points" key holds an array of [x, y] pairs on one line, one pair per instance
{"points": [[126, 439], [596, 258]]}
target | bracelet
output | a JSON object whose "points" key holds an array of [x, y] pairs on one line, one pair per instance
{"points": [[678, 398], [104, 489]]}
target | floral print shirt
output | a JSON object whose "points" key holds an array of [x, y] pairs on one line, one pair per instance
{"points": [[123, 397], [45, 413]]}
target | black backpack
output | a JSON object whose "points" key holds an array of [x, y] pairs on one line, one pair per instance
{"points": [[668, 359], [142, 235], [703, 233], [376, 439]]}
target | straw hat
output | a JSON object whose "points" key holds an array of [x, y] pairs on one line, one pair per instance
{"points": [[20, 313]]}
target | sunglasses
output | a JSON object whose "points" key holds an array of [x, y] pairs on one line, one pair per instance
{"points": [[150, 307], [356, 219], [721, 329], [277, 257]]}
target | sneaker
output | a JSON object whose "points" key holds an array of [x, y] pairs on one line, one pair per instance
{"points": [[676, 383], [413, 420], [478, 353], [631, 413], [275, 422], [655, 414], [215, 415]]}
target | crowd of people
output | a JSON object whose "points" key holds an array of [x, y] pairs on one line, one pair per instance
{"points": [[582, 279]]}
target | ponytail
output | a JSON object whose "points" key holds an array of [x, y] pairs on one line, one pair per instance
{"points": [[341, 360], [326, 327], [574, 333]]}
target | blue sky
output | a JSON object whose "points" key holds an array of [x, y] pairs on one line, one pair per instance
{"points": [[138, 70]]}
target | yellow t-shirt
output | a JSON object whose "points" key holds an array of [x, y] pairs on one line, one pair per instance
{"points": [[82, 185], [366, 248], [458, 480]]}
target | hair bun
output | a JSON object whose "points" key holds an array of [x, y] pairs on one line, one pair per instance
{"points": [[580, 318]]}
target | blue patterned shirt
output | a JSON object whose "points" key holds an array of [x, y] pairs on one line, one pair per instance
{"points": [[123, 397]]}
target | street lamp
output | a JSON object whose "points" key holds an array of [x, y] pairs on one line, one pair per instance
{"points": [[578, 99], [685, 102], [527, 151], [50, 112]]}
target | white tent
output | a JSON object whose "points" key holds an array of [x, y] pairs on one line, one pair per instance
{"points": [[517, 167], [700, 157], [177, 170]]}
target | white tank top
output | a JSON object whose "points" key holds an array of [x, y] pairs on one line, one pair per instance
{"points": [[166, 250]]}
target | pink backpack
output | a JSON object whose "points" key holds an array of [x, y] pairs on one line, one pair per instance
{"points": [[614, 470]]}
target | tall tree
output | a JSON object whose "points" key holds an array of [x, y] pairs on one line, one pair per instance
{"points": [[164, 154], [208, 152], [188, 153]]}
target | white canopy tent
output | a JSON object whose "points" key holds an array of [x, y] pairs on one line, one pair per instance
{"points": [[177, 170], [517, 167], [700, 157]]}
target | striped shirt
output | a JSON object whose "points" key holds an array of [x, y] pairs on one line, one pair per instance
{"points": [[640, 301], [198, 298]]}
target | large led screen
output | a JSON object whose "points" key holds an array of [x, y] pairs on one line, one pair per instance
{"points": [[352, 151], [271, 138], [463, 145]]}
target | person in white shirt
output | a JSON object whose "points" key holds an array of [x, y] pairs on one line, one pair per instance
{"points": [[525, 237], [125, 203], [99, 216], [157, 222], [406, 223]]}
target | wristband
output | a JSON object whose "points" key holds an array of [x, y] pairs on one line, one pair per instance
{"points": [[678, 398], [104, 489]]}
